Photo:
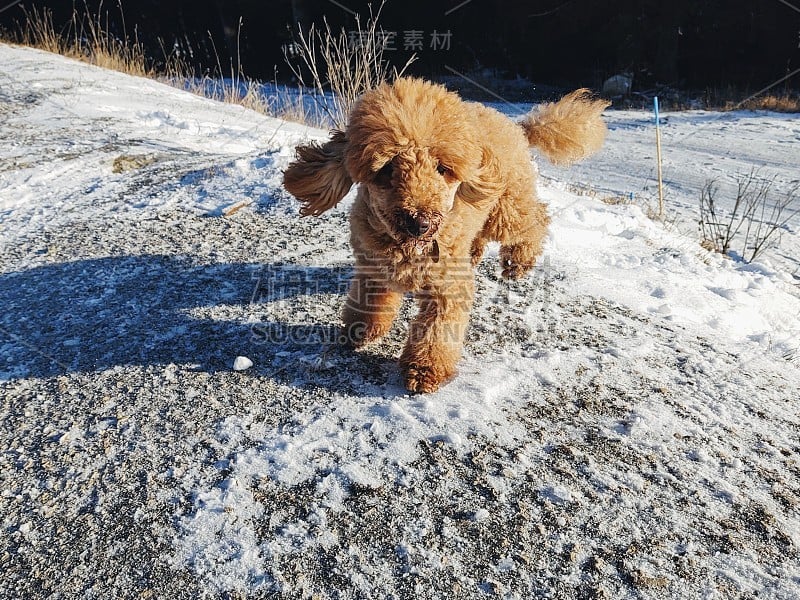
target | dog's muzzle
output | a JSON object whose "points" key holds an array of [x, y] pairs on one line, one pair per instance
{"points": [[421, 228]]}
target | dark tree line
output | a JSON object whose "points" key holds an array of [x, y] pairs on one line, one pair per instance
{"points": [[689, 45]]}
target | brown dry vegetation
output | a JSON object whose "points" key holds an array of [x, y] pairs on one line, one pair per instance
{"points": [[88, 39], [782, 103]]}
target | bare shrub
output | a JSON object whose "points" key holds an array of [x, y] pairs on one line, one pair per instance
{"points": [[340, 67], [756, 220]]}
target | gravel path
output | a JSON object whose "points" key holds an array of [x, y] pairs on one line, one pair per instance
{"points": [[111, 425]]}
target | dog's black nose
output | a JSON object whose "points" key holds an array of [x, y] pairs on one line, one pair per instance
{"points": [[422, 223], [417, 224]]}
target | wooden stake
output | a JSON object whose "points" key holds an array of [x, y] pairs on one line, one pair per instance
{"points": [[658, 158]]}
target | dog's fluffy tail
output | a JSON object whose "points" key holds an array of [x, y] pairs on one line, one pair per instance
{"points": [[568, 130]]}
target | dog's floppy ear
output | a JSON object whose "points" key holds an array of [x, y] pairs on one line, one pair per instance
{"points": [[318, 177], [485, 185]]}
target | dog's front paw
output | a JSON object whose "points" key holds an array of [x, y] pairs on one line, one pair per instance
{"points": [[423, 379], [517, 260]]}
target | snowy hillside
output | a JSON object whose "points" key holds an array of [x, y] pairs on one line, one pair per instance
{"points": [[625, 423]]}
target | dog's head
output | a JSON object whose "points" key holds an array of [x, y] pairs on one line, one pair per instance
{"points": [[414, 145]]}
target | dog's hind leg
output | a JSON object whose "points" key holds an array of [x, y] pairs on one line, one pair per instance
{"points": [[370, 308], [520, 226], [436, 336]]}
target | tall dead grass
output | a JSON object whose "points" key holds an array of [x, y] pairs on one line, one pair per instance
{"points": [[339, 67], [87, 37], [730, 98], [786, 103]]}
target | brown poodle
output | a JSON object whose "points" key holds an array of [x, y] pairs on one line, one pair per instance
{"points": [[440, 178]]}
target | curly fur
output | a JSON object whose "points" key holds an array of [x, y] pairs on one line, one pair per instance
{"points": [[439, 179], [568, 130], [318, 177]]}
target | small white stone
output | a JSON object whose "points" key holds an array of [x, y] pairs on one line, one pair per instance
{"points": [[242, 363], [480, 515]]}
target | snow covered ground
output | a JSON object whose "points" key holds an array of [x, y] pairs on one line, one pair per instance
{"points": [[625, 423]]}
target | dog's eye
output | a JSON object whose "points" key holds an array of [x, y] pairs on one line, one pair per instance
{"points": [[384, 175], [444, 170]]}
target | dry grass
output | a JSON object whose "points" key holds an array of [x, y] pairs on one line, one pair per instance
{"points": [[730, 98], [786, 103], [88, 38], [723, 99], [277, 101], [339, 68], [617, 200]]}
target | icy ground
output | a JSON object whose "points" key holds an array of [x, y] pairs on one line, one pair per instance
{"points": [[625, 423]]}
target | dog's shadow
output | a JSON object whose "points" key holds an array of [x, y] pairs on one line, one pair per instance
{"points": [[96, 314]]}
